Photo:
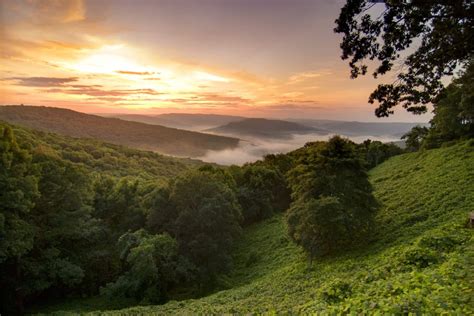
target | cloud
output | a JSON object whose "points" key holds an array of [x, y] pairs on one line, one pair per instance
{"points": [[303, 76], [137, 73], [294, 105], [210, 100], [42, 81], [96, 91]]}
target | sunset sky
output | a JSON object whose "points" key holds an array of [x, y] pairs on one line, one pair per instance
{"points": [[265, 58]]}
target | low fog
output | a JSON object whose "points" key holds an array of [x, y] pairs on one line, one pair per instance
{"points": [[250, 150]]}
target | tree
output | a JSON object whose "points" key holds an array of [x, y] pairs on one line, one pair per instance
{"points": [[151, 265], [415, 137], [333, 205], [65, 230], [261, 192], [18, 191], [441, 31], [119, 204], [376, 152], [161, 215], [453, 111], [207, 221]]}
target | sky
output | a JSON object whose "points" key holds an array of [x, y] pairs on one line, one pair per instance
{"points": [[258, 58]]}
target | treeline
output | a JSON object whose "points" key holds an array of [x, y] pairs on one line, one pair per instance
{"points": [[453, 118], [84, 218]]}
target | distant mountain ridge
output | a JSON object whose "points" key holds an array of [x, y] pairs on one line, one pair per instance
{"points": [[209, 122], [132, 134], [260, 127], [354, 128], [193, 122]]}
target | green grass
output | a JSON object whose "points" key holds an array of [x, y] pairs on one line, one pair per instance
{"points": [[420, 259]]}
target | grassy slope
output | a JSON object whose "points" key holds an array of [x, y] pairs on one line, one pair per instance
{"points": [[420, 259]]}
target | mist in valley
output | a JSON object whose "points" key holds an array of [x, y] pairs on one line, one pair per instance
{"points": [[253, 149]]}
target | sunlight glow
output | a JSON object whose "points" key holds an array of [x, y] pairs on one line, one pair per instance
{"points": [[205, 76], [109, 59]]}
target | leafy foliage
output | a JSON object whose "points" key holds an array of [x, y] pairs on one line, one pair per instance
{"points": [[376, 152], [152, 267], [61, 216], [453, 111], [206, 220], [146, 238], [261, 192], [377, 279], [18, 189], [443, 30], [332, 204], [415, 137]]}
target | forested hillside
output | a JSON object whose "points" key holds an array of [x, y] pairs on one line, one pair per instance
{"points": [[63, 204], [100, 157], [259, 127], [81, 218], [418, 260], [132, 134]]}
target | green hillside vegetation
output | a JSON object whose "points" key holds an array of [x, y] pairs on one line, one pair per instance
{"points": [[131, 134], [419, 259], [64, 202], [108, 227], [106, 158]]}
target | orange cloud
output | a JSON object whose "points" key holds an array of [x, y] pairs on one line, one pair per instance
{"points": [[138, 73], [303, 76]]}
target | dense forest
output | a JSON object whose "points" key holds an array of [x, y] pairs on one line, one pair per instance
{"points": [[82, 218]]}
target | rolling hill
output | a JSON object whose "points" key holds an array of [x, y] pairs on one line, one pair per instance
{"points": [[108, 159], [193, 122], [354, 128], [419, 260], [264, 128], [132, 134], [201, 122]]}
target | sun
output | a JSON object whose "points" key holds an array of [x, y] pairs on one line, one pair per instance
{"points": [[109, 60]]}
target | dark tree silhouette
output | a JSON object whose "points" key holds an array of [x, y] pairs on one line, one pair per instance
{"points": [[441, 31]]}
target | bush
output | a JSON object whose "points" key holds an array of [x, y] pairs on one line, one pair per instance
{"points": [[419, 257], [336, 291]]}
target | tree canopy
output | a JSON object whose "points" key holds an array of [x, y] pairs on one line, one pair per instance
{"points": [[423, 40], [333, 205]]}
